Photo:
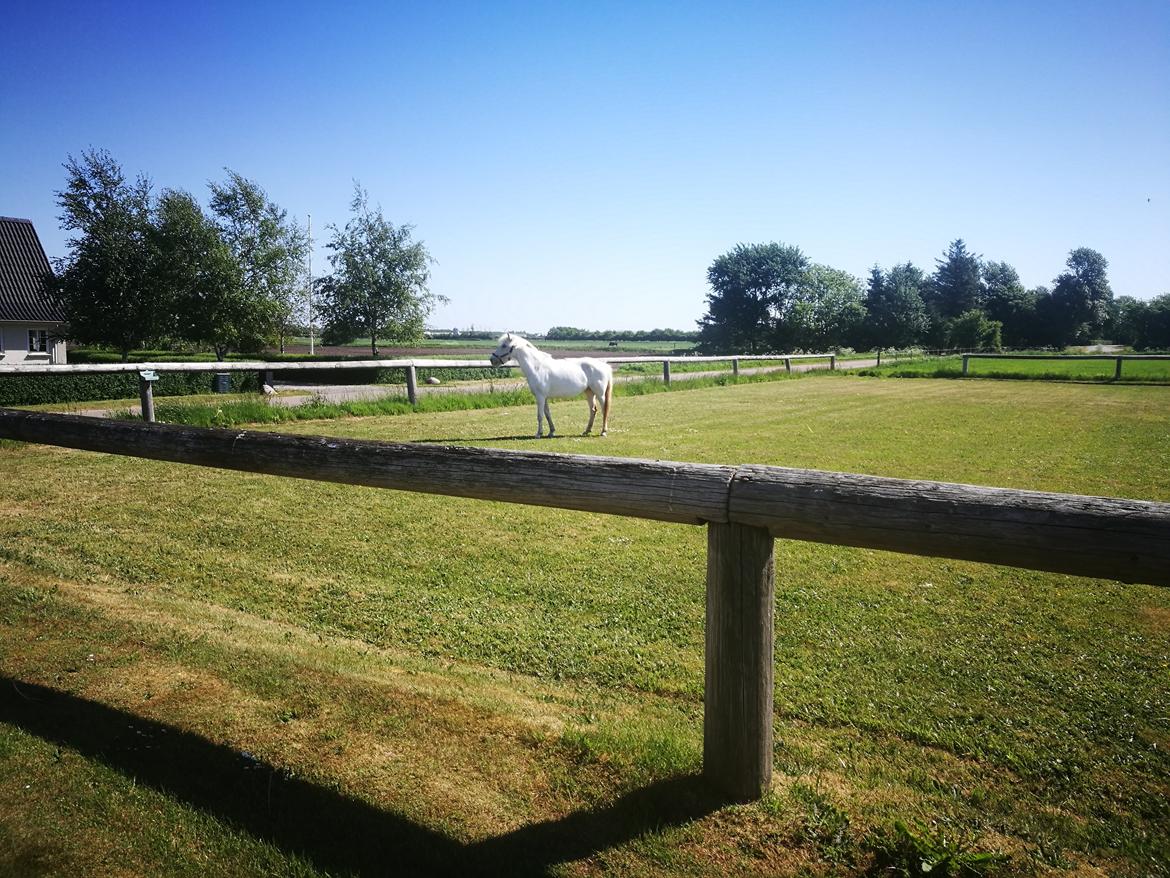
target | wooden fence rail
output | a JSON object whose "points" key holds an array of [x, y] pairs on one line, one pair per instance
{"points": [[1116, 358], [744, 508], [265, 368]]}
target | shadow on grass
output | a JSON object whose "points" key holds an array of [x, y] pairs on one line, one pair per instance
{"points": [[527, 437], [337, 833]]}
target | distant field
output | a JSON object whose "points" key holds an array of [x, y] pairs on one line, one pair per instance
{"points": [[439, 345], [1154, 371], [218, 673]]}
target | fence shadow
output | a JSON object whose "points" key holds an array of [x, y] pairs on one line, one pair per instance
{"points": [[336, 832], [462, 440]]}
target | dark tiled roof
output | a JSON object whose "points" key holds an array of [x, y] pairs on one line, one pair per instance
{"points": [[24, 273]]}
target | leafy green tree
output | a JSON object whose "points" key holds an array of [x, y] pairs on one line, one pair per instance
{"points": [[1155, 328], [1126, 319], [896, 314], [972, 331], [1144, 325], [105, 283], [828, 311], [752, 288], [1008, 302], [1082, 297], [270, 251], [957, 284], [203, 280], [379, 282]]}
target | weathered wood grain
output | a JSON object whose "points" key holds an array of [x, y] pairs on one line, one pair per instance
{"points": [[737, 694], [677, 492], [1128, 540]]}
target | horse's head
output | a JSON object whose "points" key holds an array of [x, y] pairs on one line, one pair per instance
{"points": [[507, 345]]}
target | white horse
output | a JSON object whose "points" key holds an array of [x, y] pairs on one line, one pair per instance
{"points": [[549, 378]]}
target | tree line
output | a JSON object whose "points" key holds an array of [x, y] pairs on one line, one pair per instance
{"points": [[772, 298], [146, 270], [573, 333]]}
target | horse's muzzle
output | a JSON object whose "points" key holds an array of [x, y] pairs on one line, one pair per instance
{"points": [[496, 360]]}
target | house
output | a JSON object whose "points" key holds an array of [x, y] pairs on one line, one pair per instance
{"points": [[31, 323]]}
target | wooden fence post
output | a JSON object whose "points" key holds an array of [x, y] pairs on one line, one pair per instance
{"points": [[412, 385], [1117, 371], [879, 357], [965, 360], [787, 365], [735, 367], [832, 362], [146, 397], [666, 372], [737, 700]]}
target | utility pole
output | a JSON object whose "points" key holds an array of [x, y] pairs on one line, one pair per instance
{"points": [[309, 289]]}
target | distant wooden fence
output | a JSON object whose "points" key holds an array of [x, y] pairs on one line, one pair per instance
{"points": [[744, 509], [1118, 358], [148, 371]]}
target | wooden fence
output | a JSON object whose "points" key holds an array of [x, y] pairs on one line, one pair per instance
{"points": [[745, 508], [149, 370], [1118, 358]]}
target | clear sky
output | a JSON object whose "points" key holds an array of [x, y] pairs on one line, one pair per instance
{"points": [[582, 163]]}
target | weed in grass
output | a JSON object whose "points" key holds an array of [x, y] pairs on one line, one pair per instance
{"points": [[823, 824], [911, 851]]}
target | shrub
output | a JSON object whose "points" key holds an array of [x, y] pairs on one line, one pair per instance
{"points": [[49, 389]]}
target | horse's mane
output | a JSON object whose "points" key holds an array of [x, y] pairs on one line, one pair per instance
{"points": [[519, 341]]}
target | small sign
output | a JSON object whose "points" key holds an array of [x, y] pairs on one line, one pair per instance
{"points": [[148, 375]]}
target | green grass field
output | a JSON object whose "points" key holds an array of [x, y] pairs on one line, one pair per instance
{"points": [[1135, 371], [224, 673]]}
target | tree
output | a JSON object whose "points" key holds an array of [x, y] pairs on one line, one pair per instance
{"points": [[957, 285], [202, 278], [1008, 302], [270, 252], [379, 282], [1155, 334], [1126, 321], [105, 283], [1082, 296], [1145, 325], [827, 312], [751, 289], [896, 314], [972, 331]]}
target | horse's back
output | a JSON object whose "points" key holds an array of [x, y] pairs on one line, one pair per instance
{"points": [[574, 375]]}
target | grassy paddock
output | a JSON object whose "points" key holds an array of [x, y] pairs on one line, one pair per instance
{"points": [[251, 675], [255, 409], [1133, 371]]}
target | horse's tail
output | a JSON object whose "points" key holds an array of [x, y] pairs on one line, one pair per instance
{"points": [[608, 399]]}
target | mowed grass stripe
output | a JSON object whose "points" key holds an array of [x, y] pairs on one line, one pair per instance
{"points": [[1044, 695]]}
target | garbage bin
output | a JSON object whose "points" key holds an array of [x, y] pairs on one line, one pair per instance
{"points": [[221, 382]]}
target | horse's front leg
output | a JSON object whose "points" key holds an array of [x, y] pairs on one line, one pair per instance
{"points": [[548, 415], [540, 405], [590, 401]]}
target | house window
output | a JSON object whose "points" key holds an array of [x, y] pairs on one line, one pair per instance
{"points": [[38, 340]]}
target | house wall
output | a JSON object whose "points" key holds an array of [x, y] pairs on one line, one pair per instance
{"points": [[14, 344]]}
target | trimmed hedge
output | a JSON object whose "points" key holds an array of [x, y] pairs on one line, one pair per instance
{"points": [[49, 389], [385, 376]]}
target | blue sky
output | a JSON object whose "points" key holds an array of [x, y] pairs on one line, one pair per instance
{"points": [[583, 163]]}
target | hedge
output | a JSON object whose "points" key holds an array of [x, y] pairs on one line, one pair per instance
{"points": [[83, 387]]}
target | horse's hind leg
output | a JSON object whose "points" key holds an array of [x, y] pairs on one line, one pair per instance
{"points": [[548, 415], [591, 401]]}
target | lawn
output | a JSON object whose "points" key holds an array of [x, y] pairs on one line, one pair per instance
{"points": [[214, 671], [1135, 371]]}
